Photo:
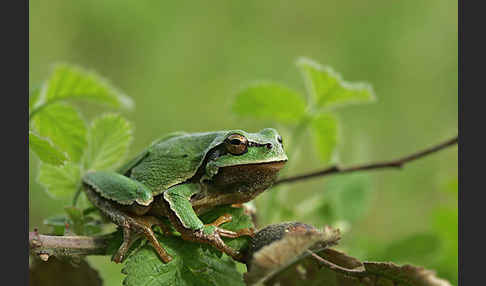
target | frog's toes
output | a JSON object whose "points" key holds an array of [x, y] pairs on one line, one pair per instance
{"points": [[221, 220], [129, 237]]}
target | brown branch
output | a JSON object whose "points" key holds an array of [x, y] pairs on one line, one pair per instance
{"points": [[394, 164], [47, 245]]}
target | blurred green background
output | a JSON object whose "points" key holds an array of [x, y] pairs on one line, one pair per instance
{"points": [[183, 61]]}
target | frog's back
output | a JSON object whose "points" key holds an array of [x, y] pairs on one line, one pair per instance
{"points": [[172, 161]]}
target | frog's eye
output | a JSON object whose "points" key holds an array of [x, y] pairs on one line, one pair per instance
{"points": [[236, 144], [279, 139]]}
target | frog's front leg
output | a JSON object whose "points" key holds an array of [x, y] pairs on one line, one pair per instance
{"points": [[185, 220], [133, 225]]}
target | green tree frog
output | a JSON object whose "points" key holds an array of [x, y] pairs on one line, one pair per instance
{"points": [[182, 176]]}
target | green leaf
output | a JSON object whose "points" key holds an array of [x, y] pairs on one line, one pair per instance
{"points": [[80, 223], [109, 137], [327, 89], [350, 195], [192, 264], [58, 223], [72, 82], [446, 226], [91, 225], [270, 101], [64, 126], [60, 181], [33, 98], [45, 150], [77, 218], [412, 249], [347, 199], [324, 129], [452, 187]]}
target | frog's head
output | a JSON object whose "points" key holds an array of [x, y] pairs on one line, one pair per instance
{"points": [[237, 147], [242, 164]]}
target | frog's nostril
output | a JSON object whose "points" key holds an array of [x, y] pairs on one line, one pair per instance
{"points": [[269, 145]]}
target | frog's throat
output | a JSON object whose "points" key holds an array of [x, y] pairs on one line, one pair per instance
{"points": [[237, 184]]}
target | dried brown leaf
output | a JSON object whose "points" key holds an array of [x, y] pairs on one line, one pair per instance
{"points": [[277, 246], [297, 254], [406, 274]]}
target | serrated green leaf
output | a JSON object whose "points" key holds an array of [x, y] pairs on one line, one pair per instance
{"points": [[72, 82], [45, 150], [270, 101], [60, 182], [64, 126], [109, 138], [327, 89], [324, 129], [192, 264]]}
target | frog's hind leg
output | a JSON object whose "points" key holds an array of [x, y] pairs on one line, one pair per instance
{"points": [[133, 226]]}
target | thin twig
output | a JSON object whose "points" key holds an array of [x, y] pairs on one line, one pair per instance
{"points": [[47, 245], [394, 164]]}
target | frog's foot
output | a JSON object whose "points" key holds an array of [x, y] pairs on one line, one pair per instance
{"points": [[226, 233], [133, 228], [128, 239], [151, 221], [239, 233], [221, 220], [144, 225], [212, 235]]}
